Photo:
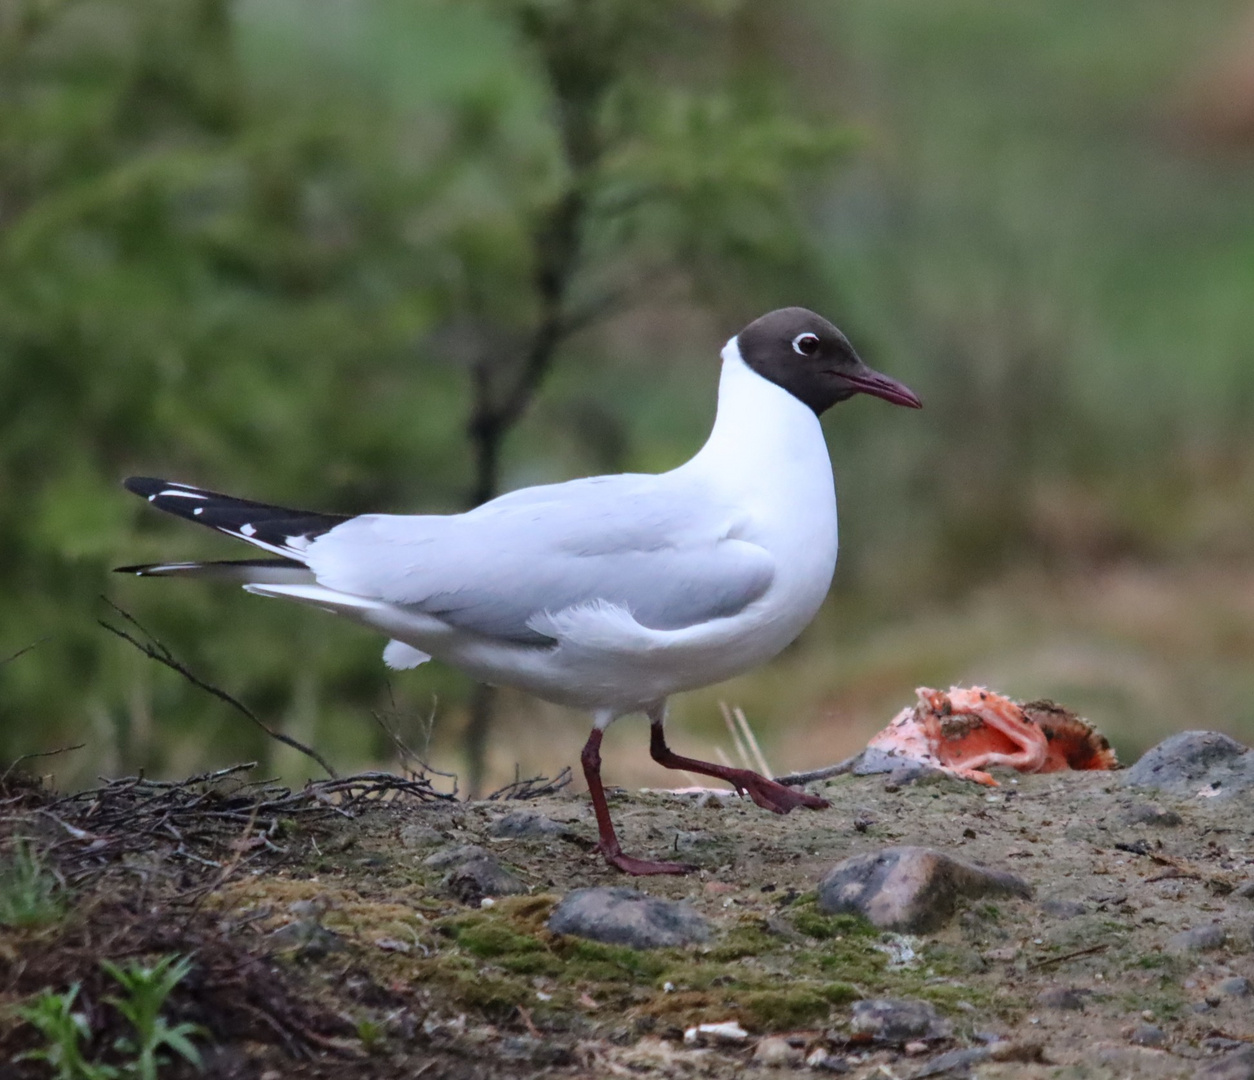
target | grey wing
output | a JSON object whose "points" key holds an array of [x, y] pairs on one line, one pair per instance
{"points": [[666, 555]]}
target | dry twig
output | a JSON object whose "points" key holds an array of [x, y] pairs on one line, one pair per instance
{"points": [[155, 650], [532, 788]]}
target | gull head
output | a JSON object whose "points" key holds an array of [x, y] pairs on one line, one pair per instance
{"points": [[811, 359]]}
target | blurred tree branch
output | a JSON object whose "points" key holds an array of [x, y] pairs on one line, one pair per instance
{"points": [[619, 161], [225, 233]]}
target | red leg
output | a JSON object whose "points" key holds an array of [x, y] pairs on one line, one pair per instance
{"points": [[608, 844], [766, 793]]}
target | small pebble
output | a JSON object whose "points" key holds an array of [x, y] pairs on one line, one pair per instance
{"points": [[622, 916], [1063, 997], [1148, 1035], [1199, 939], [897, 1020], [910, 889], [1237, 986], [774, 1052], [527, 825], [414, 835], [1149, 814], [954, 1063]]}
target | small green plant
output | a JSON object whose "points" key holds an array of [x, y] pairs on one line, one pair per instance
{"points": [[371, 1034], [147, 989], [64, 1031], [30, 894]]}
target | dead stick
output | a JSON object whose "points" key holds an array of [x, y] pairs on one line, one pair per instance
{"points": [[1067, 956], [155, 650], [41, 753]]}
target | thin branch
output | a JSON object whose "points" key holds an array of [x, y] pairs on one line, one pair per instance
{"points": [[415, 765], [42, 753], [22, 652], [1091, 950], [155, 650]]}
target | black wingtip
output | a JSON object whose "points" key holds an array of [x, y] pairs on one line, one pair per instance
{"points": [[138, 571], [144, 485]]}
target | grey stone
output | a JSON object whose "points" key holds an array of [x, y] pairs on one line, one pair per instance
{"points": [[1195, 761], [898, 1020], [619, 916], [1235, 1065], [307, 938], [1149, 814], [1237, 986], [527, 825], [1064, 997], [910, 889], [1148, 1035], [416, 835], [1199, 939], [825, 1061], [1063, 909], [1246, 890], [481, 876], [952, 1063], [450, 856]]}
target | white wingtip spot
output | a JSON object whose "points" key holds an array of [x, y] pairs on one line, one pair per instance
{"points": [[152, 498], [198, 511], [176, 494], [247, 530]]}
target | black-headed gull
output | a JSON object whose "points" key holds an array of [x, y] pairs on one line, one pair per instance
{"points": [[608, 593]]}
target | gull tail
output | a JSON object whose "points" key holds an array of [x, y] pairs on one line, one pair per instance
{"points": [[276, 529], [282, 531], [242, 571]]}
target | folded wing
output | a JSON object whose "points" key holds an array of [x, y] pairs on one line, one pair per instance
{"points": [[670, 557]]}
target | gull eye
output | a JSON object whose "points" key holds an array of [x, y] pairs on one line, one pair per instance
{"points": [[805, 344]]}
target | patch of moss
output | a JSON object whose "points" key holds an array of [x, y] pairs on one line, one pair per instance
{"points": [[807, 918], [988, 912], [594, 962], [1158, 961], [492, 938], [946, 996], [779, 1010], [851, 959], [952, 960], [495, 996], [704, 976], [743, 941], [839, 993]]}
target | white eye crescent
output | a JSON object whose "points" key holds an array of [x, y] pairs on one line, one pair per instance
{"points": [[805, 344]]}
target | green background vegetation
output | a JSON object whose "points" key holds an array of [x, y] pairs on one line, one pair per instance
{"points": [[263, 245]]}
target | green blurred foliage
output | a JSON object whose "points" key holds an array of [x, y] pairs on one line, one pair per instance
{"points": [[262, 244]]}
